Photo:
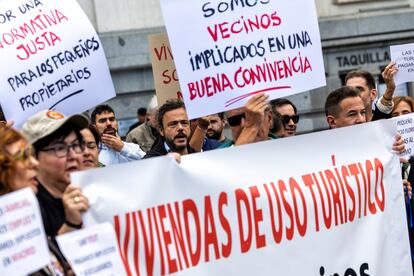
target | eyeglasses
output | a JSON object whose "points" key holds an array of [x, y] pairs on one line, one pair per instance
{"points": [[286, 119], [235, 120], [62, 149]]}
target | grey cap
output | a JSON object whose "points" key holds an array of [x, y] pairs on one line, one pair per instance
{"points": [[46, 122]]}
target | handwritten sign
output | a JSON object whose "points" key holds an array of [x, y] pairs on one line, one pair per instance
{"points": [[226, 51], [23, 244], [92, 251], [403, 55], [52, 59], [405, 126], [334, 210], [163, 68]]}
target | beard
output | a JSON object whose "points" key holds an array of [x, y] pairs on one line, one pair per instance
{"points": [[110, 130], [215, 135], [173, 146]]}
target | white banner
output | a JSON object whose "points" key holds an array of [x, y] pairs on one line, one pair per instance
{"points": [[92, 251], [23, 244], [403, 55], [52, 59], [259, 209], [227, 51]]}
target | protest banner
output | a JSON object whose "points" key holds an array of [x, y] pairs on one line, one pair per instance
{"points": [[405, 127], [92, 251], [163, 68], [227, 50], [259, 209], [403, 55], [52, 59], [23, 244]]}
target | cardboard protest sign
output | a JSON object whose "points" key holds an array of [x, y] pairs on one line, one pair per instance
{"points": [[226, 51], [405, 126], [337, 209], [403, 55], [92, 251], [23, 244], [163, 69], [52, 59]]}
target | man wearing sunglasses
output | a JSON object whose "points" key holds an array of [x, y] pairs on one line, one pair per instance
{"points": [[288, 113], [59, 146], [252, 122]]}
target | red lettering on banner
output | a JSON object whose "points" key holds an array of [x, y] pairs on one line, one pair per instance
{"points": [[242, 199], [371, 205], [336, 200], [123, 249], [154, 216], [189, 207], [294, 186], [288, 209], [326, 211], [364, 178], [182, 237], [210, 232], [148, 242], [380, 200], [136, 243], [225, 30], [258, 217], [225, 248], [307, 180], [178, 234], [345, 175], [277, 233], [353, 168], [172, 263]]}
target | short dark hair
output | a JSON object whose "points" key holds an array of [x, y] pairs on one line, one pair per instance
{"points": [[280, 102], [169, 105], [58, 135], [142, 111], [99, 110], [367, 76], [332, 104]]}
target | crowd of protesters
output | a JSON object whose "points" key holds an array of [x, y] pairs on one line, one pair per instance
{"points": [[50, 145]]}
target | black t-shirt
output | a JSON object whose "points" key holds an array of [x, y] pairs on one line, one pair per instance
{"points": [[52, 210]]}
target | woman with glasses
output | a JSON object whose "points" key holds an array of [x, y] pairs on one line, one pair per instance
{"points": [[18, 170]]}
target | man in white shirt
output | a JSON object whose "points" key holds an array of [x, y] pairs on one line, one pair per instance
{"points": [[113, 150]]}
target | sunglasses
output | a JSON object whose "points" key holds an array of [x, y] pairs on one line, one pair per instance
{"points": [[286, 119], [235, 120]]}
